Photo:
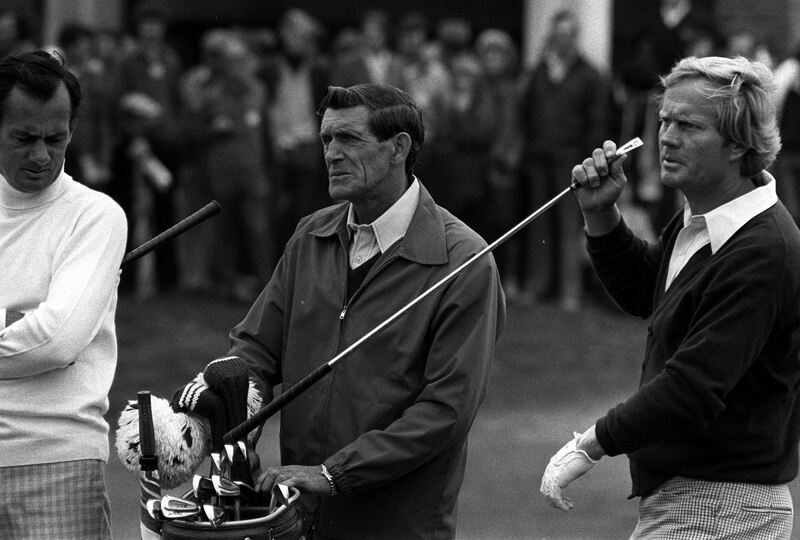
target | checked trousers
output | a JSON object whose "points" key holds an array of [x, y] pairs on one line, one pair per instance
{"points": [[62, 501], [689, 509]]}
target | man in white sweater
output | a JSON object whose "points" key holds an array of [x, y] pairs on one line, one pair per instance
{"points": [[61, 245]]}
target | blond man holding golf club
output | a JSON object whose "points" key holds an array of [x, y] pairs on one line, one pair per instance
{"points": [[712, 432]]}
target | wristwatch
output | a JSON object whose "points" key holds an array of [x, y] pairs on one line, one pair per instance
{"points": [[329, 477]]}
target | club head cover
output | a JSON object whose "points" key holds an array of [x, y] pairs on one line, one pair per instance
{"points": [[229, 378], [183, 440]]}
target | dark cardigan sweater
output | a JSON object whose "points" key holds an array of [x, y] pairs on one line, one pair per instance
{"points": [[718, 393]]}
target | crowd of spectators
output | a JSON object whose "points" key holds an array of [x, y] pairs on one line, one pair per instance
{"points": [[240, 126]]}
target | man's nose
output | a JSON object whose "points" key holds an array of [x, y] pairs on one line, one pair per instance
{"points": [[332, 152], [667, 135], [38, 153]]}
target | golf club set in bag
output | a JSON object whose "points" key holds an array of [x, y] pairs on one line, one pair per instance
{"points": [[166, 442]]}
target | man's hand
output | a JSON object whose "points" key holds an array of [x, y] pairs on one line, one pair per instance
{"points": [[307, 479], [601, 185], [601, 177], [568, 464]]}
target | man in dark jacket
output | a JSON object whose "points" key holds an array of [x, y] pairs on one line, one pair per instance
{"points": [[712, 433], [379, 445]]}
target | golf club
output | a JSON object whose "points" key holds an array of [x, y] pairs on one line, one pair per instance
{"points": [[154, 509], [214, 514], [225, 488], [177, 508], [211, 209], [203, 488], [149, 481], [240, 431]]}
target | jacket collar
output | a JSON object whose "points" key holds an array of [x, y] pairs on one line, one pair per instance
{"points": [[423, 243]]}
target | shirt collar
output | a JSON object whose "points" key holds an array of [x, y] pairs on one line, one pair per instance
{"points": [[392, 225], [723, 221]]}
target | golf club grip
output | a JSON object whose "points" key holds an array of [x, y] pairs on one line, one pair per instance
{"points": [[260, 416], [147, 439], [182, 226], [575, 185]]}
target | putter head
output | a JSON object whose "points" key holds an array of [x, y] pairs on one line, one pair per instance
{"points": [[225, 487], [214, 514]]}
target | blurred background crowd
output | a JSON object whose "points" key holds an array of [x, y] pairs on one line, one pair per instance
{"points": [[227, 112]]}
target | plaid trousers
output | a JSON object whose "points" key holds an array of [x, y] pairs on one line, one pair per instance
{"points": [[688, 509], [64, 500]]}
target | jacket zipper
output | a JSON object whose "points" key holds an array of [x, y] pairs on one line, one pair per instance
{"points": [[367, 279]]}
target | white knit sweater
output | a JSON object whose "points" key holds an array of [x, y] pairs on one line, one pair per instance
{"points": [[60, 253]]}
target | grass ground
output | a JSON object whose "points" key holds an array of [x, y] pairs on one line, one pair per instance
{"points": [[554, 373]]}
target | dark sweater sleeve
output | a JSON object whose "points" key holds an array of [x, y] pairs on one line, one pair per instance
{"points": [[628, 268]]}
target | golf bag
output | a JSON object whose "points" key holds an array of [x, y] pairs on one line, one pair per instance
{"points": [[284, 522]]}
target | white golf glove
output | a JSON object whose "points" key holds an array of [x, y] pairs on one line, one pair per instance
{"points": [[568, 464]]}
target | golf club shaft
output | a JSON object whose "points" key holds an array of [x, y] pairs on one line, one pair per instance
{"points": [[209, 210], [260, 416], [301, 386]]}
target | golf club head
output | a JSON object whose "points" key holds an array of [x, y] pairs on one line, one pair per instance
{"points": [[214, 514], [177, 508], [154, 509], [230, 452], [239, 462], [216, 463], [203, 487], [282, 494], [225, 487]]}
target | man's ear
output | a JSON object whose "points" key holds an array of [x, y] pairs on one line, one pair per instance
{"points": [[737, 151], [401, 146]]}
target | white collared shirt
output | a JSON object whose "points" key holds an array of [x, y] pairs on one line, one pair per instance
{"points": [[388, 228], [717, 226]]}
